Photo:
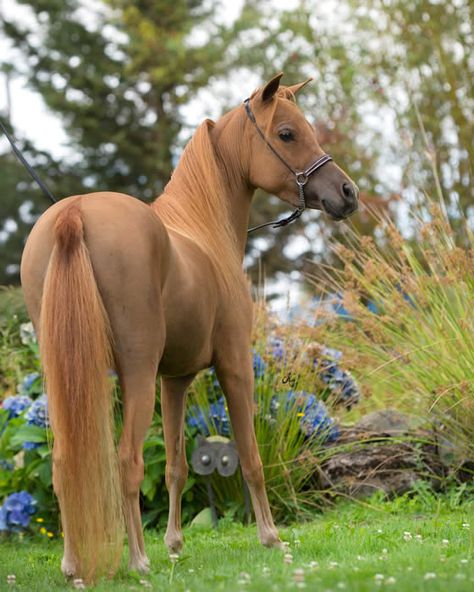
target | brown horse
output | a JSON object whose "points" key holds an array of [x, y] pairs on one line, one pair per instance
{"points": [[110, 282]]}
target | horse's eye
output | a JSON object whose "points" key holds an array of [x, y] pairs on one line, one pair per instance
{"points": [[286, 135]]}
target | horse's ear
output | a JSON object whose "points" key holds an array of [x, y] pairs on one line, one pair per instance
{"points": [[271, 88], [297, 87]]}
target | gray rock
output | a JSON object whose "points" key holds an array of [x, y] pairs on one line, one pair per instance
{"points": [[387, 421], [385, 451]]}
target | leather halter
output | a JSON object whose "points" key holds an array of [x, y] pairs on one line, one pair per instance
{"points": [[301, 177]]}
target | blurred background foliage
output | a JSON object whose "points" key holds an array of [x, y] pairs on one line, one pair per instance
{"points": [[392, 100]]}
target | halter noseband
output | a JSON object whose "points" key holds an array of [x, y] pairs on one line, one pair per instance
{"points": [[301, 177]]}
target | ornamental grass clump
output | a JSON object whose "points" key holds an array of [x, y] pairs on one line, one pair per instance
{"points": [[410, 332]]}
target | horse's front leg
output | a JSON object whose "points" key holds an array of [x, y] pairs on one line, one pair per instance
{"points": [[235, 374], [173, 404]]}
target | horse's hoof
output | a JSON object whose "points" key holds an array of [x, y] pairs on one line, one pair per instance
{"points": [[140, 564], [174, 543], [272, 540], [68, 568]]}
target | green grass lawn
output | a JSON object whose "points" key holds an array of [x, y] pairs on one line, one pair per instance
{"points": [[408, 544]]}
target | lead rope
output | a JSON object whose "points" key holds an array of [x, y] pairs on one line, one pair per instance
{"points": [[289, 219], [27, 165]]}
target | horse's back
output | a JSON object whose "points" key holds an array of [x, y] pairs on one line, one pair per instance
{"points": [[129, 250]]}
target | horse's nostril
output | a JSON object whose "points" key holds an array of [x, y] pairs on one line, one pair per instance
{"points": [[349, 192]]}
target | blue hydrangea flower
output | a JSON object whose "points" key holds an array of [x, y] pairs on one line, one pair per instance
{"points": [[274, 405], [28, 382], [332, 353], [217, 418], [277, 349], [315, 419], [258, 365], [197, 420], [16, 511], [6, 465], [16, 404], [30, 445], [340, 382], [373, 307], [37, 414], [339, 308], [214, 389]]}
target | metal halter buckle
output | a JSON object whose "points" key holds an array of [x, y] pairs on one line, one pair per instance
{"points": [[301, 179]]}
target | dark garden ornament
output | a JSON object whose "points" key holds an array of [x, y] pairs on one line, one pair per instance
{"points": [[217, 453]]}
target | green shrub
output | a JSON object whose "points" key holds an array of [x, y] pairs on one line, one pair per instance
{"points": [[18, 347], [290, 431]]}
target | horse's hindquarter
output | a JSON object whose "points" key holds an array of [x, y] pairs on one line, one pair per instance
{"points": [[129, 250], [159, 289], [160, 294]]}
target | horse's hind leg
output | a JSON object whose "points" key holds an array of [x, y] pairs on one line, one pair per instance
{"points": [[235, 375], [138, 385], [173, 402], [68, 562]]}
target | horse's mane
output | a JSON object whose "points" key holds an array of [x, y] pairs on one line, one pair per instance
{"points": [[199, 207]]}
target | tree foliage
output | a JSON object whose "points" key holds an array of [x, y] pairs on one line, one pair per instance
{"points": [[122, 76], [422, 69], [118, 77], [22, 202]]}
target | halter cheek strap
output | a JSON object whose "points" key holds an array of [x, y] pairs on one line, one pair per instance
{"points": [[301, 177]]}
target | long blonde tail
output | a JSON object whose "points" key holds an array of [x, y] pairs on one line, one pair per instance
{"points": [[76, 352]]}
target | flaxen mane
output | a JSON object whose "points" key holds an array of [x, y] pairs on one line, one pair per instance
{"points": [[200, 206]]}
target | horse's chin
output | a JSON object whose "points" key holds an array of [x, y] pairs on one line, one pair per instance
{"points": [[334, 213], [317, 205], [314, 203]]}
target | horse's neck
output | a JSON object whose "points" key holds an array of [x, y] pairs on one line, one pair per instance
{"points": [[240, 201]]}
